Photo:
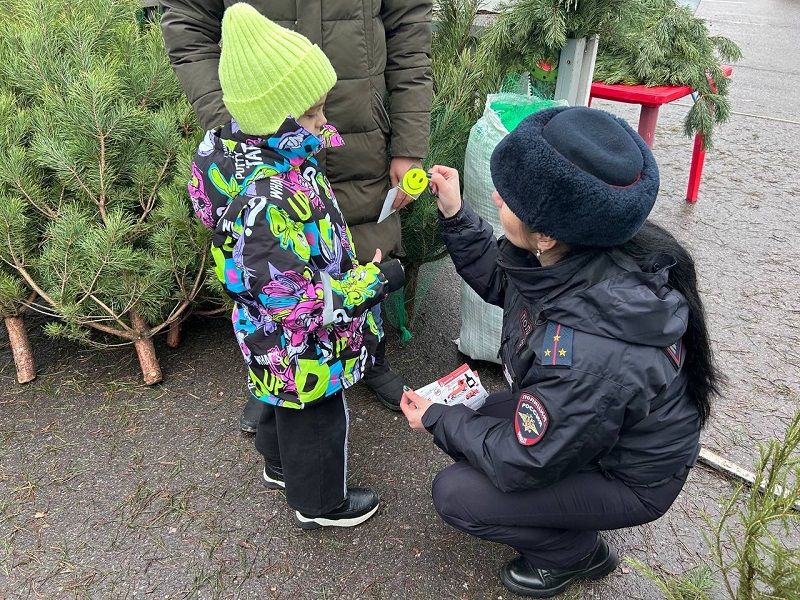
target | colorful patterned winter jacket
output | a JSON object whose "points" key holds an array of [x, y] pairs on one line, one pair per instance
{"points": [[284, 253]]}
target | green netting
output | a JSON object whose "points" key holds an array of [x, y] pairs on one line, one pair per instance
{"points": [[512, 109], [400, 312]]}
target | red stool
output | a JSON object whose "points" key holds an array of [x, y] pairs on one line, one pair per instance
{"points": [[651, 99]]}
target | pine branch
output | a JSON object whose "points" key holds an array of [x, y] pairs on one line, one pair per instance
{"points": [[101, 200], [46, 211], [180, 309], [42, 309], [111, 313], [151, 200], [39, 291], [90, 287], [66, 269]]}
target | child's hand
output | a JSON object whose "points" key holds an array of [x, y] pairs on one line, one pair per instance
{"points": [[445, 185], [378, 256]]}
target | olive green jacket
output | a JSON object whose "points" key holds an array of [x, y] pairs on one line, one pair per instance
{"points": [[381, 52]]}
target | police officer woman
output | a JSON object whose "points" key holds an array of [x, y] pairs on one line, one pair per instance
{"points": [[604, 345]]}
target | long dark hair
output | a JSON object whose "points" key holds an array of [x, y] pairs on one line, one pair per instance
{"points": [[703, 376]]}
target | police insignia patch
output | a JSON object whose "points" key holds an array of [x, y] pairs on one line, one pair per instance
{"points": [[531, 420]]}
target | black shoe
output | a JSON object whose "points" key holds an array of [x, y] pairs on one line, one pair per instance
{"points": [[519, 577], [248, 422], [272, 477], [387, 385], [360, 505]]}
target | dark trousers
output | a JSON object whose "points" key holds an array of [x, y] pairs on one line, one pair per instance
{"points": [[310, 445], [552, 527]]}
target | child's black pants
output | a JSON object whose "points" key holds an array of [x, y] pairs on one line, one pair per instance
{"points": [[552, 527], [310, 445]]}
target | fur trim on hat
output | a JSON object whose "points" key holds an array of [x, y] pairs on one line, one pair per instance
{"points": [[555, 197]]}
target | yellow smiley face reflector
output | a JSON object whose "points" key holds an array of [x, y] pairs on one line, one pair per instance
{"points": [[415, 181]]}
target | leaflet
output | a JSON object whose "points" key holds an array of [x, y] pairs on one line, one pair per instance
{"points": [[462, 386]]}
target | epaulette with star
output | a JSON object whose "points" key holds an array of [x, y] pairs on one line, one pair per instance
{"points": [[557, 345]]}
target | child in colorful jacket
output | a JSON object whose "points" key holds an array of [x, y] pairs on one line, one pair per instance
{"points": [[284, 253]]}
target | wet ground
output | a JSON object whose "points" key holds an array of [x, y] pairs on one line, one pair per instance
{"points": [[109, 489]]}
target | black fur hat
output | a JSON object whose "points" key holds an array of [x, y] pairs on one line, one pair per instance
{"points": [[579, 175]]}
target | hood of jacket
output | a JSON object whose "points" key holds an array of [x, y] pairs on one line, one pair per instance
{"points": [[228, 162], [603, 293]]}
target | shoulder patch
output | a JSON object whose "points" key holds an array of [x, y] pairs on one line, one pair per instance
{"points": [[675, 353], [525, 328], [557, 345], [530, 420]]}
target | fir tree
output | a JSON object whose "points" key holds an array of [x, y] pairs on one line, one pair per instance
{"points": [[659, 42], [650, 42], [751, 542], [94, 217], [461, 81]]}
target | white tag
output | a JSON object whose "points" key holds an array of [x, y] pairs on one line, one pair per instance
{"points": [[387, 205]]}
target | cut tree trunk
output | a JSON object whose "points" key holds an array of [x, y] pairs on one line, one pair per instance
{"points": [[21, 349], [174, 334], [151, 370]]}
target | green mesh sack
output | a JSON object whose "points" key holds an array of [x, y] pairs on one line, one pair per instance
{"points": [[480, 322]]}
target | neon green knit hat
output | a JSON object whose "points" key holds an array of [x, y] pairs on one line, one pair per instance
{"points": [[268, 72]]}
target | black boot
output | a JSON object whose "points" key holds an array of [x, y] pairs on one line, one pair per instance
{"points": [[525, 580], [248, 422], [386, 384], [272, 477], [360, 505]]}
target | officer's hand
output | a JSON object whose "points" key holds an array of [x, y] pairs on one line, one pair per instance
{"points": [[414, 406], [445, 185]]}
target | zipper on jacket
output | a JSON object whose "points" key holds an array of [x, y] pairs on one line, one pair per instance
{"points": [[502, 344], [508, 369], [369, 33], [607, 474]]}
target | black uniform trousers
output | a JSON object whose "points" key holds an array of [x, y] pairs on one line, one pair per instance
{"points": [[551, 527], [310, 446]]}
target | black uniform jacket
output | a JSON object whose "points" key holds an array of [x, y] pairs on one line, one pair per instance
{"points": [[593, 350]]}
